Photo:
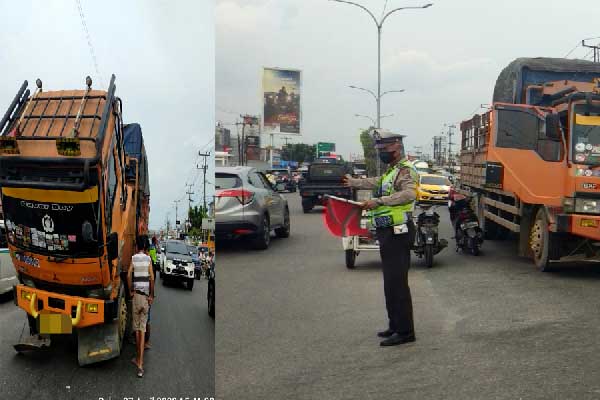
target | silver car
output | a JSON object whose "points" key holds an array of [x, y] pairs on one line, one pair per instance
{"points": [[248, 205], [8, 275]]}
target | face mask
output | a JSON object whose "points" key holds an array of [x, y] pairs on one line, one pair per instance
{"points": [[386, 157]]}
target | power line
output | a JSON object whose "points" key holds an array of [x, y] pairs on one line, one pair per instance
{"points": [[89, 42], [572, 50]]}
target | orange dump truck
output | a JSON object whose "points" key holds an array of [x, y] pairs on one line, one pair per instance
{"points": [[74, 196], [532, 162]]}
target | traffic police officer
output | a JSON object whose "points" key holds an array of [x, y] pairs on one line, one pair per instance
{"points": [[390, 211]]}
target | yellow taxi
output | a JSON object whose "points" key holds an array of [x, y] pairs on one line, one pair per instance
{"points": [[432, 188]]}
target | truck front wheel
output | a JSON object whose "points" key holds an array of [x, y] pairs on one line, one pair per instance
{"points": [[542, 242]]}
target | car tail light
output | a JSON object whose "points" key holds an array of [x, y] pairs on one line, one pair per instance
{"points": [[242, 195]]}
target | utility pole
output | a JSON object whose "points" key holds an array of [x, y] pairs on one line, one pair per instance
{"points": [[594, 48], [189, 193], [450, 133], [204, 167], [176, 210]]}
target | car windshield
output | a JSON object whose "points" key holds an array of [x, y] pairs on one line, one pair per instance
{"points": [[227, 181], [586, 136], [192, 249], [177, 248], [434, 180]]}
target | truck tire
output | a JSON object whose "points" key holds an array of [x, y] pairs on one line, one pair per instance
{"points": [[542, 242], [307, 205], [122, 315], [284, 231], [263, 237], [350, 258]]}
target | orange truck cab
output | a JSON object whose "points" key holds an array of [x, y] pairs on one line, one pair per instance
{"points": [[532, 161], [73, 202]]}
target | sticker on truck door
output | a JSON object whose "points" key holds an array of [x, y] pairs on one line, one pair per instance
{"points": [[589, 186]]}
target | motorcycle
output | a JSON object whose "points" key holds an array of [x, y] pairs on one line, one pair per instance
{"points": [[427, 243], [467, 232]]}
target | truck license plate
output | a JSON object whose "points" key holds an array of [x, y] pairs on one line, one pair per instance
{"points": [[54, 324]]}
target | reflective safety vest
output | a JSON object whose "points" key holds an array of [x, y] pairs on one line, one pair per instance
{"points": [[384, 216], [152, 253]]}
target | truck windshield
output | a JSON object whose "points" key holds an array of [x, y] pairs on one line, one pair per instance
{"points": [[586, 136], [51, 228]]}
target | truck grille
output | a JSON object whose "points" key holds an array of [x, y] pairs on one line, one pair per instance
{"points": [[69, 290]]}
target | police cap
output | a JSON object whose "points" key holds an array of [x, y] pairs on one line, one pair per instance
{"points": [[383, 137]]}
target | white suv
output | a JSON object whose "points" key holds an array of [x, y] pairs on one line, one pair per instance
{"points": [[176, 263]]}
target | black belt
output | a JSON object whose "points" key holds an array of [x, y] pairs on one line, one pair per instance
{"points": [[142, 293]]}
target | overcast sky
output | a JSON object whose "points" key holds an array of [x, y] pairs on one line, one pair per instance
{"points": [[447, 57], [162, 56]]}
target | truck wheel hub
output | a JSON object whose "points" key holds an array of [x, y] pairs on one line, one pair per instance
{"points": [[536, 238], [122, 317]]}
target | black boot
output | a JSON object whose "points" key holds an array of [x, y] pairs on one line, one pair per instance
{"points": [[397, 338], [385, 334]]}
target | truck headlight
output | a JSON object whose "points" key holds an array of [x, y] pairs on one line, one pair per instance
{"points": [[100, 293], [569, 205], [587, 206], [28, 282]]}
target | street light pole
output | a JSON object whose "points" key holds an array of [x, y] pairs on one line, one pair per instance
{"points": [[372, 120], [379, 25]]}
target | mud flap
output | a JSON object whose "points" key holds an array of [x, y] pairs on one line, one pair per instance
{"points": [[98, 343]]}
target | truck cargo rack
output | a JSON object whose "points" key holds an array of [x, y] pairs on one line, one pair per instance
{"points": [[21, 115], [22, 122]]}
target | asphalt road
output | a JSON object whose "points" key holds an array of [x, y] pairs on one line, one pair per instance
{"points": [[294, 323], [180, 363]]}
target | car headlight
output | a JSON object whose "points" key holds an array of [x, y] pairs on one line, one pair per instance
{"points": [[587, 206]]}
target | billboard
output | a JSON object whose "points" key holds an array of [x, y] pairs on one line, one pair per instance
{"points": [[281, 100]]}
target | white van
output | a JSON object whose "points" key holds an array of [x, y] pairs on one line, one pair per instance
{"points": [[8, 275]]}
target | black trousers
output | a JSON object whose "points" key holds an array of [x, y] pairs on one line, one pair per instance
{"points": [[395, 258]]}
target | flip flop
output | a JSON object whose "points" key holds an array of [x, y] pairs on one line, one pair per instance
{"points": [[140, 372], [134, 362], [147, 346]]}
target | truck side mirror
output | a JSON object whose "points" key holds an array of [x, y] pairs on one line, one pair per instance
{"points": [[112, 246], [553, 131]]}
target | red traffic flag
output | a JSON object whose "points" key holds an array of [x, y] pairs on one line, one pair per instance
{"points": [[342, 217]]}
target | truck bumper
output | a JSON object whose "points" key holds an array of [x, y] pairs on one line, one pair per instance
{"points": [[82, 311], [587, 226]]}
